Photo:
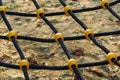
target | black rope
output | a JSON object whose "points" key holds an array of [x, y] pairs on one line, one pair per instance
{"points": [[64, 48], [25, 73], [36, 4], [15, 42], [113, 12], [49, 24], [57, 67], [13, 39], [66, 38], [1, 3], [85, 27], [6, 22], [78, 20], [44, 18], [116, 62], [63, 3], [55, 30], [54, 67], [99, 45], [77, 72], [20, 14], [60, 13], [18, 48], [60, 41]]}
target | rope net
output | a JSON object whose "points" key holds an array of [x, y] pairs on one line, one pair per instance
{"points": [[111, 57]]}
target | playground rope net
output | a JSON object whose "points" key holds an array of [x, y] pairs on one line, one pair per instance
{"points": [[73, 65]]}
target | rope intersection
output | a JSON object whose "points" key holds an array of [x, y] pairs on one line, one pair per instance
{"points": [[73, 65]]}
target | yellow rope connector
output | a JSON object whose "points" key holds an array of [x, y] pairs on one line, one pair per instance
{"points": [[88, 32], [58, 36], [103, 2], [3, 8], [24, 63], [110, 56], [12, 34], [66, 10], [40, 11], [72, 62]]}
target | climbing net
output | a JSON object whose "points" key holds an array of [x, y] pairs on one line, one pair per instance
{"points": [[73, 65]]}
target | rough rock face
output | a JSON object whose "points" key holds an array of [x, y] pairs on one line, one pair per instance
{"points": [[52, 54]]}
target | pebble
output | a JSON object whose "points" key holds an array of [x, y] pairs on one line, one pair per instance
{"points": [[5, 58], [50, 55], [46, 32], [17, 18], [33, 20], [39, 24], [13, 1], [17, 78], [5, 2], [28, 19], [18, 23], [74, 0], [45, 48], [118, 37]]}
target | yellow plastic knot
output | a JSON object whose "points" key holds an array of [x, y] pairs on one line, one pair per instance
{"points": [[3, 8], [72, 62], [103, 2], [66, 10], [88, 32], [40, 11], [58, 36], [110, 56], [24, 63], [12, 34]]}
